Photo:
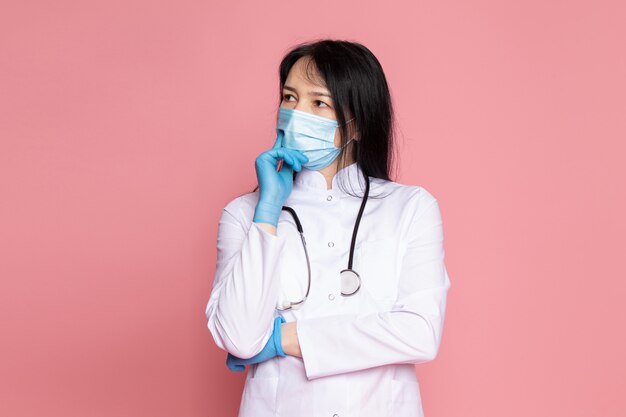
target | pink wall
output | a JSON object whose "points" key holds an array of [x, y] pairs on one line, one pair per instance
{"points": [[125, 126]]}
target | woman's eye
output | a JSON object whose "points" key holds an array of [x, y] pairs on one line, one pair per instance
{"points": [[321, 104], [286, 97]]}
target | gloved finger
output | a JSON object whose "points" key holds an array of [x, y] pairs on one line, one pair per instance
{"points": [[272, 157], [300, 155], [236, 368], [231, 362], [299, 158], [279, 140], [284, 154], [297, 165]]}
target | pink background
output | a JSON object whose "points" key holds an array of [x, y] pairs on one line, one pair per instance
{"points": [[126, 126]]}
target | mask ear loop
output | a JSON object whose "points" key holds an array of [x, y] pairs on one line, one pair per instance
{"points": [[354, 138]]}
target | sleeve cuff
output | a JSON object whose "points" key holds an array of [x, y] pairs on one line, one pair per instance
{"points": [[320, 349]]}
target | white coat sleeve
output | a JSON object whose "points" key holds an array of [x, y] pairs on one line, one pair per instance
{"points": [[240, 310], [409, 332]]}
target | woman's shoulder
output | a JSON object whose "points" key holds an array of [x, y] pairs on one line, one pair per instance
{"points": [[244, 202], [406, 193]]}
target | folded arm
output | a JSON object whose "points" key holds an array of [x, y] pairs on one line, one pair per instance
{"points": [[241, 308], [409, 332]]}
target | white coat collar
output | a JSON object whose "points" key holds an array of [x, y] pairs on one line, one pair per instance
{"points": [[310, 180]]}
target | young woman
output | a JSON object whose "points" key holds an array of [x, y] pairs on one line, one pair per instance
{"points": [[330, 280]]}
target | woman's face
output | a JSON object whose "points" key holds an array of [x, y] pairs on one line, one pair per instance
{"points": [[302, 94]]}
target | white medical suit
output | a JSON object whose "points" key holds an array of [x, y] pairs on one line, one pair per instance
{"points": [[358, 352]]}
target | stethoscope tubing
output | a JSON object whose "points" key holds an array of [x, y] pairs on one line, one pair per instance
{"points": [[306, 254], [296, 304]]}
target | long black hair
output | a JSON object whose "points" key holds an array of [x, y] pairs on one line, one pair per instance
{"points": [[358, 86]]}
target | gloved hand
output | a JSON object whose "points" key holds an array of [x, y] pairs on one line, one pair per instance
{"points": [[273, 347], [274, 186]]}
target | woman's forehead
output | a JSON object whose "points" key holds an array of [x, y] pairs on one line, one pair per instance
{"points": [[305, 72]]}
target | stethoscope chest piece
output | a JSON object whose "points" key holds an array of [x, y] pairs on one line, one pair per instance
{"points": [[350, 282]]}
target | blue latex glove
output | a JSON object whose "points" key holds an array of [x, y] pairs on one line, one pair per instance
{"points": [[275, 186], [273, 347]]}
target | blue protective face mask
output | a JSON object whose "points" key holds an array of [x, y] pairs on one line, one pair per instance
{"points": [[312, 135]]}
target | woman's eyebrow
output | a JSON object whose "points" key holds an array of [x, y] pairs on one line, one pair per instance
{"points": [[311, 93]]}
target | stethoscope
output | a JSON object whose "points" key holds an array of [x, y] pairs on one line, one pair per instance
{"points": [[349, 278]]}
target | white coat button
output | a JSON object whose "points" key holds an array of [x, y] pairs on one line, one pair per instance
{"points": [[331, 244], [331, 297], [330, 197]]}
